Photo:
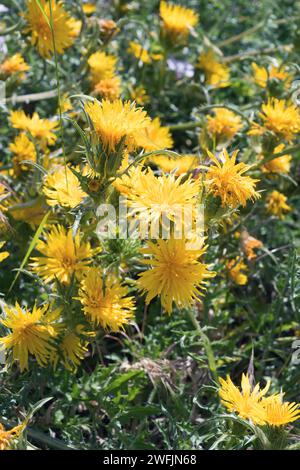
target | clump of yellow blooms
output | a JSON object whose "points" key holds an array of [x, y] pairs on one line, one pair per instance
{"points": [[237, 271], [9, 436], [226, 179], [224, 124], [31, 332], [62, 188], [251, 403], [40, 129], [3, 254], [154, 137], [102, 66], [279, 117], [24, 150], [105, 302], [176, 273], [14, 64], [262, 75], [139, 52], [116, 121], [276, 204], [280, 165], [46, 21], [177, 21], [217, 74], [63, 256]]}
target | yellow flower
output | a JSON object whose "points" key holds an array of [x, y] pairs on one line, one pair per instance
{"points": [[280, 165], [72, 348], [102, 66], [139, 52], [278, 413], [41, 129], [245, 402], [106, 303], [154, 137], [279, 117], [177, 166], [276, 204], [216, 73], [89, 8], [139, 95], [262, 75], [63, 256], [176, 274], [115, 121], [226, 179], [23, 149], [249, 244], [39, 26], [152, 198], [14, 64], [62, 188], [237, 269], [31, 332], [3, 254], [7, 437], [224, 125], [75, 27], [109, 88], [177, 20]]}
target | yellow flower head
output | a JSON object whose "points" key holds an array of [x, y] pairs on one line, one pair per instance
{"points": [[226, 179], [106, 303], [31, 332], [249, 244], [178, 166], [176, 274], [224, 124], [139, 52], [23, 149], [102, 66], [41, 129], [276, 204], [63, 256], [262, 75], [114, 121], [154, 198], [14, 64], [154, 137], [62, 188], [72, 348], [139, 95], [245, 402], [109, 88], [75, 27], [278, 413], [39, 21], [216, 73], [177, 20], [237, 269], [279, 117], [280, 165], [3, 254], [89, 8], [7, 437]]}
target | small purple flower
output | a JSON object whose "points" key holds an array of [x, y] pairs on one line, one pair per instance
{"points": [[181, 68]]}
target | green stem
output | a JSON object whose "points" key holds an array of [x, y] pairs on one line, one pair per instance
{"points": [[206, 343]]}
